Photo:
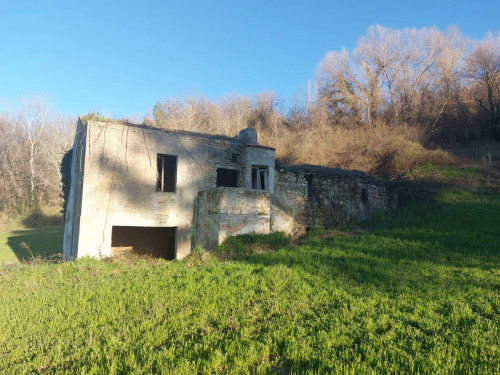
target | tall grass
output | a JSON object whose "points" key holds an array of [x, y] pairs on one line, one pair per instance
{"points": [[413, 291]]}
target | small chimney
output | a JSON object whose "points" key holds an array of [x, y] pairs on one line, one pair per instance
{"points": [[248, 135]]}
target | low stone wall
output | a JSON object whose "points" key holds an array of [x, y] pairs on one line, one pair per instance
{"points": [[339, 199], [223, 212], [310, 196], [305, 197]]}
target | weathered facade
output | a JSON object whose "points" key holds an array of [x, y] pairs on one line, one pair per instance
{"points": [[311, 196], [161, 192]]}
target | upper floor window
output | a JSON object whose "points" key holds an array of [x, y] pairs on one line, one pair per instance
{"points": [[260, 178], [227, 177], [166, 176]]}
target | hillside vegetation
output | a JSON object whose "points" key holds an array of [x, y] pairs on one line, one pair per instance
{"points": [[411, 291]]}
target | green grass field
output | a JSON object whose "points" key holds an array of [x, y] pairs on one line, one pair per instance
{"points": [[23, 245], [412, 291]]}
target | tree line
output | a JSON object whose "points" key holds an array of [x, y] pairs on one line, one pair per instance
{"points": [[441, 83], [384, 107], [33, 140]]}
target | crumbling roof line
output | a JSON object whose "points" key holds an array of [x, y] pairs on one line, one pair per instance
{"points": [[184, 132]]}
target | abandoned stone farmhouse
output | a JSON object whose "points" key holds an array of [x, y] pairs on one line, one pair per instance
{"points": [[162, 192]]}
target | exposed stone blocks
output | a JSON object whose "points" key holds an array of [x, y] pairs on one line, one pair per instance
{"points": [[288, 212], [223, 212], [309, 196]]}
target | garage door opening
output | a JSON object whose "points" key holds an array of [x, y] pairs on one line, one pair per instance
{"points": [[157, 242]]}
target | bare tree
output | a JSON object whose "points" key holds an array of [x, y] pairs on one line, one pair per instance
{"points": [[339, 82], [55, 141], [483, 68], [31, 119], [34, 138], [416, 78], [266, 114], [13, 168]]}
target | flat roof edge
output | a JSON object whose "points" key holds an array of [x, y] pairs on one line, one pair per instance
{"points": [[174, 131]]}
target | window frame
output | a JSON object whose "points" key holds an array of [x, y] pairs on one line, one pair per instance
{"points": [[160, 173], [260, 170]]}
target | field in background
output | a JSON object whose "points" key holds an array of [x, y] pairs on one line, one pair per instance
{"points": [[410, 291], [44, 216], [37, 235], [29, 244]]}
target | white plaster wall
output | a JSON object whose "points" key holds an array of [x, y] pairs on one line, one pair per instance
{"points": [[120, 181]]}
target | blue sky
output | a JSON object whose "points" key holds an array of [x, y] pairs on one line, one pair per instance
{"points": [[120, 57]]}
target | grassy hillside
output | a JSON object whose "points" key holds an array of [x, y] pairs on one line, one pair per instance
{"points": [[412, 291]]}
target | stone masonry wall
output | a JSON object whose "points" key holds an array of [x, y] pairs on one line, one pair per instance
{"points": [[223, 212], [336, 200], [308, 196], [289, 202]]}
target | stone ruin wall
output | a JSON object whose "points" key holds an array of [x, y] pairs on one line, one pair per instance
{"points": [[289, 203], [304, 198], [299, 198], [223, 212], [309, 197]]}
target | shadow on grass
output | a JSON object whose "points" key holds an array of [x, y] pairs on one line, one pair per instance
{"points": [[409, 191], [445, 243], [38, 243]]}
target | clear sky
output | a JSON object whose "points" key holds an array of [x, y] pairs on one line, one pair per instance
{"points": [[122, 56]]}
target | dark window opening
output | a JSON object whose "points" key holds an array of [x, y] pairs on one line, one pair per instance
{"points": [[157, 242], [227, 177], [260, 178], [309, 179], [235, 158], [364, 196], [166, 176]]}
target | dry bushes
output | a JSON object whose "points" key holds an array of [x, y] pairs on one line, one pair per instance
{"points": [[381, 150], [305, 134]]}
